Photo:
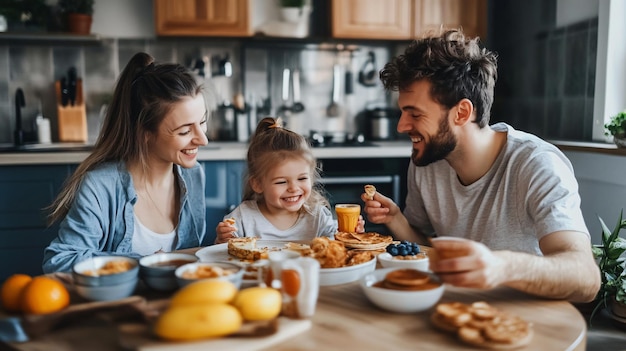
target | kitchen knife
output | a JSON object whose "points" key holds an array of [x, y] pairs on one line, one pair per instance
{"points": [[71, 77], [64, 92]]}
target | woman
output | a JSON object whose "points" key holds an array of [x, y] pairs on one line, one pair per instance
{"points": [[141, 189]]}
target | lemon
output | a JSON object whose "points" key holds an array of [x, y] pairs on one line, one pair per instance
{"points": [[199, 321], [205, 291], [258, 304]]}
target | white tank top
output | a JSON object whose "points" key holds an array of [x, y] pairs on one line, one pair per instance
{"points": [[147, 242]]}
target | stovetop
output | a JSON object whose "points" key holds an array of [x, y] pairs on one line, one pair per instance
{"points": [[344, 144], [317, 139]]}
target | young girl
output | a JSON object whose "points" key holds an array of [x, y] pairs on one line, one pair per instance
{"points": [[280, 201]]}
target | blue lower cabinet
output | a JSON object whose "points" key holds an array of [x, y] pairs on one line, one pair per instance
{"points": [[25, 192], [222, 192]]}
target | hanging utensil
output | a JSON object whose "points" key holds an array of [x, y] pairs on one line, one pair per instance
{"points": [[334, 108], [368, 73], [349, 83], [285, 108], [298, 106]]}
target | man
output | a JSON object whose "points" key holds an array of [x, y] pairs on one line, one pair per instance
{"points": [[513, 195]]}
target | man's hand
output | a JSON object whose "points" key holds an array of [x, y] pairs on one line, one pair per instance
{"points": [[466, 263], [381, 209]]}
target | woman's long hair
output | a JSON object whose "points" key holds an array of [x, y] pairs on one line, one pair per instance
{"points": [[143, 95]]}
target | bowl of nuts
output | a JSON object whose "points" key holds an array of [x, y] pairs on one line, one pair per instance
{"points": [[191, 272], [405, 255]]}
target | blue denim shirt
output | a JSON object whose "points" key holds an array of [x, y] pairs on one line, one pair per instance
{"points": [[101, 219]]}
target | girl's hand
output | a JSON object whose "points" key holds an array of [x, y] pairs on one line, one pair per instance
{"points": [[360, 225], [225, 231]]}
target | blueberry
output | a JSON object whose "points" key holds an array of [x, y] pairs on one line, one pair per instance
{"points": [[393, 251], [404, 252], [406, 242]]}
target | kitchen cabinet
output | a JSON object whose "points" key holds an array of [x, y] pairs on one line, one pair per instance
{"points": [[26, 191], [471, 15], [371, 19], [203, 17], [406, 19]]}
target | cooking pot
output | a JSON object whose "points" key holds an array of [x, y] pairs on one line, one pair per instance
{"points": [[380, 124]]}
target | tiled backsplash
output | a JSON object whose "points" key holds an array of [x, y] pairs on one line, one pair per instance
{"points": [[34, 68]]}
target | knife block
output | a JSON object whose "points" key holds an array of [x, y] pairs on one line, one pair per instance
{"points": [[72, 118]]}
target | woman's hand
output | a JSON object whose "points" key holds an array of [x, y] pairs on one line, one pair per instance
{"points": [[225, 230]]}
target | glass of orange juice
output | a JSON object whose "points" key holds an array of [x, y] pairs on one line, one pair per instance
{"points": [[347, 217]]}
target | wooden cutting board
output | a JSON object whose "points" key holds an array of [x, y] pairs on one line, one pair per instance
{"points": [[137, 337]]}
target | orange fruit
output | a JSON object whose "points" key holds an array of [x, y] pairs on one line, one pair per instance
{"points": [[12, 290], [44, 295]]}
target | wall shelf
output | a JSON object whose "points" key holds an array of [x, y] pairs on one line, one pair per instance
{"points": [[29, 38]]}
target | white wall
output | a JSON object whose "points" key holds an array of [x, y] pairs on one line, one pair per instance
{"points": [[573, 11], [123, 19], [602, 183]]}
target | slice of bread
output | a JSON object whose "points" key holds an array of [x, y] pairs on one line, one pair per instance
{"points": [[246, 249]]}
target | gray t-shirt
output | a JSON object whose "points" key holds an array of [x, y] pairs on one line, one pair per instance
{"points": [[250, 222], [529, 192]]}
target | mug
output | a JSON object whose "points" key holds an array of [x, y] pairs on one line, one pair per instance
{"points": [[297, 278]]}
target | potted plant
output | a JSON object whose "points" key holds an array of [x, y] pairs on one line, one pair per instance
{"points": [[610, 258], [78, 14], [292, 10], [25, 15], [617, 128]]}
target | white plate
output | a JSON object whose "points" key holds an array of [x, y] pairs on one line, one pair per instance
{"points": [[328, 276], [219, 252]]}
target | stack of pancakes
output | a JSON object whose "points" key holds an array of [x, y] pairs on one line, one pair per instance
{"points": [[364, 241]]}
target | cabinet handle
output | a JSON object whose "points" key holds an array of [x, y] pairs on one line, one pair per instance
{"points": [[351, 180]]}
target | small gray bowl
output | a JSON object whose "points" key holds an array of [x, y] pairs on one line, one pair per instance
{"points": [[98, 262], [108, 292], [157, 270], [235, 277]]}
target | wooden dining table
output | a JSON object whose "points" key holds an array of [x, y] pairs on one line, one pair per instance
{"points": [[345, 320]]}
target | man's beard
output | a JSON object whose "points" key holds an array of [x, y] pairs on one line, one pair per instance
{"points": [[440, 145]]}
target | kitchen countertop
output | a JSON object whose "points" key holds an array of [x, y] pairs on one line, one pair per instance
{"points": [[218, 151], [236, 151]]}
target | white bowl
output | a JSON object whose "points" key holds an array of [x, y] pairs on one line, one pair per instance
{"points": [[107, 293], [342, 275], [236, 277], [402, 301], [388, 261]]}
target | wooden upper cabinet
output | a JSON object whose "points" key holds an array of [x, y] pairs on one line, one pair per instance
{"points": [[202, 17], [371, 19], [470, 15], [406, 19]]}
